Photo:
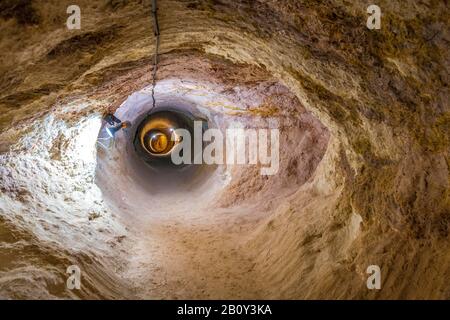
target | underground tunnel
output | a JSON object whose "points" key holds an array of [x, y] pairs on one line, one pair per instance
{"points": [[320, 148]]}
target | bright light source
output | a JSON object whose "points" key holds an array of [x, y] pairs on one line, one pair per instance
{"points": [[109, 132], [84, 142]]}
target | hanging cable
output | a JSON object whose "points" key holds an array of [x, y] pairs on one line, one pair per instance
{"points": [[155, 63]]}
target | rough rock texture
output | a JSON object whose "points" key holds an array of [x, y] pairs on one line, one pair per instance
{"points": [[380, 194]]}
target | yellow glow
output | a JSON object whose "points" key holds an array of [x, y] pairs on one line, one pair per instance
{"points": [[158, 142], [155, 136]]}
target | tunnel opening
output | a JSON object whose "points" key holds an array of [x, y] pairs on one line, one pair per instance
{"points": [[213, 201], [303, 140], [156, 136]]}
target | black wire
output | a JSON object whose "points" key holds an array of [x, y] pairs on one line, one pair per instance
{"points": [[155, 65]]}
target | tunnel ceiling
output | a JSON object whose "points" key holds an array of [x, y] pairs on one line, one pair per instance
{"points": [[381, 191]]}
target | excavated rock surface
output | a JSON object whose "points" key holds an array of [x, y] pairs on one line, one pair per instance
{"points": [[380, 194]]}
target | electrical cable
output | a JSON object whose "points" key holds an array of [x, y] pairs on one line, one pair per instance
{"points": [[155, 64]]}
